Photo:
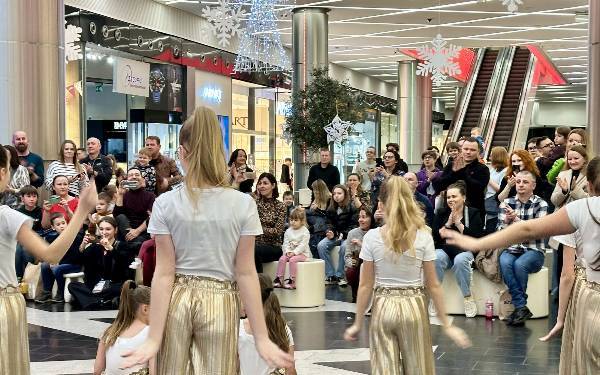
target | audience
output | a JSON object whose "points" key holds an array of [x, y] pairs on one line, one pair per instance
{"points": [[352, 260], [391, 166], [428, 173], [19, 178], [575, 137], [532, 148], [81, 154], [498, 168], [29, 207], [316, 215], [394, 147], [363, 168], [521, 160], [61, 202], [453, 150], [288, 200], [104, 208], [271, 212], [148, 172], [68, 165], [240, 172], [324, 171], [295, 249], [167, 173], [422, 201], [32, 162], [358, 196], [96, 164]]}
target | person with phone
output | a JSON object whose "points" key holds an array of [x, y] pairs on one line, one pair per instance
{"points": [[242, 177], [68, 165], [60, 202], [385, 167], [521, 160]]}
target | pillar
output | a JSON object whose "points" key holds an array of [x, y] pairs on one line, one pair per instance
{"points": [[414, 112], [593, 109], [310, 33], [32, 73]]}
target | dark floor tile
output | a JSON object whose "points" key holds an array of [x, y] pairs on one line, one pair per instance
{"points": [[361, 367], [47, 344]]}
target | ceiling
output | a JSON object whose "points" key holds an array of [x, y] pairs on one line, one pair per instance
{"points": [[364, 35]]}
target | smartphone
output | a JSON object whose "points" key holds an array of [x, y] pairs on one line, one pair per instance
{"points": [[516, 168], [379, 162], [54, 199], [130, 184]]}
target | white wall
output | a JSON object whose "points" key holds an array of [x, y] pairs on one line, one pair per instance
{"points": [[573, 114], [362, 81]]}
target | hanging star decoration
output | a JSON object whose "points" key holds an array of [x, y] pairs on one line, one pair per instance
{"points": [[438, 60], [225, 20], [337, 130], [512, 5], [72, 39]]}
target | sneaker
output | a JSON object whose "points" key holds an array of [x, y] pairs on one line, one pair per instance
{"points": [[277, 282], [335, 280], [290, 284], [431, 308], [59, 298], [331, 280], [470, 307], [45, 297], [520, 316], [342, 282]]}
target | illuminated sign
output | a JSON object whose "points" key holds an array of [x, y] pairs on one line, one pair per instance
{"points": [[120, 125], [211, 94]]}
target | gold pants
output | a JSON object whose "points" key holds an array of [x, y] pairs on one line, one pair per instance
{"points": [[201, 334], [399, 337], [586, 348], [567, 365], [14, 342]]}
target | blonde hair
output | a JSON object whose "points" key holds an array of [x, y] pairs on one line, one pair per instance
{"points": [[132, 296], [202, 140], [403, 217], [322, 194], [298, 213], [145, 151]]}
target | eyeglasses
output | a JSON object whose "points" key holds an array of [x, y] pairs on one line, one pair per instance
{"points": [[388, 157]]}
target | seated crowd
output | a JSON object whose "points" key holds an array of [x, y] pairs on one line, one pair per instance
{"points": [[464, 195]]}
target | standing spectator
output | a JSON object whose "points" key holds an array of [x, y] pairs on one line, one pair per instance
{"points": [[66, 204], [167, 173], [19, 178], [272, 219], [438, 162], [532, 148], [453, 150], [422, 200], [97, 164], [358, 196], [476, 133], [467, 167], [396, 148], [576, 137], [148, 172], [363, 168], [81, 154], [241, 174], [498, 168], [286, 173], [68, 165], [544, 161], [428, 173], [33, 162], [392, 147], [518, 261], [316, 215], [324, 171], [391, 167], [132, 209]]}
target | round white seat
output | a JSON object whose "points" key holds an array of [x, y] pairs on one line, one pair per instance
{"points": [[310, 284]]}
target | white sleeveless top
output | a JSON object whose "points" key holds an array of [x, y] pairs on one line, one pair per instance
{"points": [[113, 353], [251, 362]]}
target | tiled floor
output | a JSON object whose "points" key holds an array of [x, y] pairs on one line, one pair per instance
{"points": [[63, 341]]}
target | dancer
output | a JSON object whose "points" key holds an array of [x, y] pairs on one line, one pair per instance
{"points": [[395, 258], [204, 235], [128, 331], [14, 226], [582, 215]]}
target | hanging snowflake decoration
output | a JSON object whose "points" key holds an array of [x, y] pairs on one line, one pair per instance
{"points": [[337, 130], [225, 20], [438, 60], [285, 133], [72, 47], [512, 5]]}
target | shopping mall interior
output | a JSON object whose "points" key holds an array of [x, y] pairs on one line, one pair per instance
{"points": [[406, 82]]}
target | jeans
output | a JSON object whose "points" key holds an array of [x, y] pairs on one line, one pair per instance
{"points": [[22, 257], [51, 273], [325, 247], [461, 266], [515, 270], [294, 259]]}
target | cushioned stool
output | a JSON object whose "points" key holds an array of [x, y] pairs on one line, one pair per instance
{"points": [[310, 284], [482, 288], [74, 276]]}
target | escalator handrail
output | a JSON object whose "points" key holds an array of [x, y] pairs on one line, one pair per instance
{"points": [[525, 106]]}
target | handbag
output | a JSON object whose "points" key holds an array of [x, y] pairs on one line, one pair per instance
{"points": [[487, 262]]}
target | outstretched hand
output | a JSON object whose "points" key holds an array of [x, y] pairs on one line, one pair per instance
{"points": [[455, 238], [274, 356], [88, 197]]}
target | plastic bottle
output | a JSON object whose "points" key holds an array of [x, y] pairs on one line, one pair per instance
{"points": [[489, 309]]}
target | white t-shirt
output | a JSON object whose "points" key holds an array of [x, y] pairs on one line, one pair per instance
{"points": [[10, 223], [206, 237], [497, 178], [588, 239], [123, 344], [362, 168], [395, 270], [251, 362]]}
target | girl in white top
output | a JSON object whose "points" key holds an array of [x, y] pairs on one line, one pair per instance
{"points": [[582, 215], [250, 361], [204, 234], [67, 165], [295, 248], [127, 332], [14, 226], [399, 259]]}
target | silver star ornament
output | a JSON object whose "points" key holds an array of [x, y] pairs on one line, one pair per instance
{"points": [[337, 130]]}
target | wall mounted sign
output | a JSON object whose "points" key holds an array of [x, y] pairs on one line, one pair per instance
{"points": [[212, 94], [131, 77]]}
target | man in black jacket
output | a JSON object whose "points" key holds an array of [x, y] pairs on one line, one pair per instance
{"points": [[97, 164], [324, 171], [467, 167]]}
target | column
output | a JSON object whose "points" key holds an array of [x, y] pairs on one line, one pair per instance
{"points": [[594, 77], [414, 113], [310, 34], [32, 73]]}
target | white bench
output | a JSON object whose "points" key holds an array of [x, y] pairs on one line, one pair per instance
{"points": [[310, 284], [482, 288], [74, 276]]}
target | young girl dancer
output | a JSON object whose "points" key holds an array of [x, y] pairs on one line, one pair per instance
{"points": [[295, 248], [128, 331], [395, 258], [250, 361], [204, 235], [14, 226], [582, 215]]}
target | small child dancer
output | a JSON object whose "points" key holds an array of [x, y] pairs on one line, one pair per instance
{"points": [[295, 248], [128, 331]]}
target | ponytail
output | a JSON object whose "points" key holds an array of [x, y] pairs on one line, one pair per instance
{"points": [[132, 296], [276, 326]]}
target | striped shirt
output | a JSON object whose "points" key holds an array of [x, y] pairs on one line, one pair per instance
{"points": [[57, 168], [534, 208]]}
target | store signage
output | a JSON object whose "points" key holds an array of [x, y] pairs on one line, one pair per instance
{"points": [[131, 77], [284, 108], [120, 125], [211, 94]]}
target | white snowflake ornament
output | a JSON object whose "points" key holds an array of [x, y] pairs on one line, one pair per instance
{"points": [[337, 130], [72, 48], [512, 5], [438, 60], [225, 20]]}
